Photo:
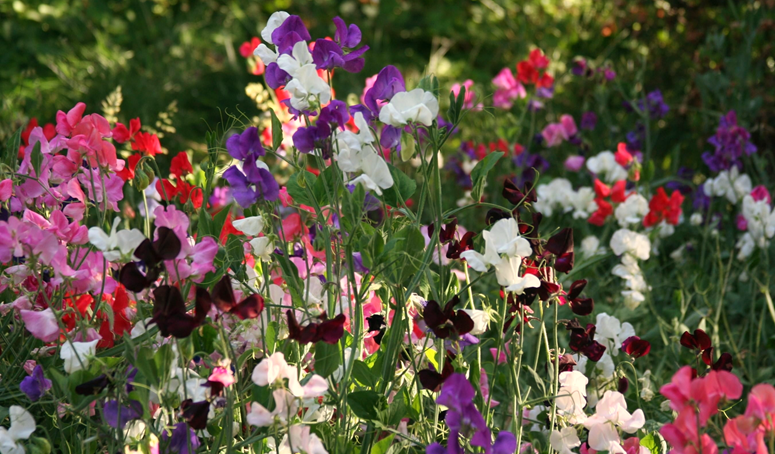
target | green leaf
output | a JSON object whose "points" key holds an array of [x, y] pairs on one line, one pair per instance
{"points": [[654, 443], [479, 174], [277, 131], [408, 147], [365, 404], [431, 84], [327, 358], [297, 187], [403, 188], [364, 374], [145, 363], [382, 446], [36, 158], [324, 186], [12, 148]]}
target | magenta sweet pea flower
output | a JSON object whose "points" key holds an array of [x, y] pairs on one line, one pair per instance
{"points": [[575, 163], [41, 324]]}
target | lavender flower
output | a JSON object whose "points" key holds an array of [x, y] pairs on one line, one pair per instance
{"points": [[35, 385], [257, 181], [117, 416], [588, 120], [181, 438]]}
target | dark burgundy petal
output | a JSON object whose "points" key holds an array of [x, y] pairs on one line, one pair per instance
{"points": [[433, 315], [582, 306], [449, 308], [561, 243], [448, 232], [703, 340], [623, 385], [131, 277], [564, 263], [431, 229], [707, 356], [375, 321], [195, 413], [636, 347], [223, 295], [332, 330], [724, 362], [93, 386], [576, 288], [495, 214], [146, 254], [594, 351], [178, 326], [294, 330], [167, 301], [249, 308], [566, 363], [167, 246], [516, 195], [688, 341], [462, 322], [431, 380], [203, 304]]}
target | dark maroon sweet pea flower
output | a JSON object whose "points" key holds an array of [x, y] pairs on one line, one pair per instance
{"points": [[347, 37], [561, 245], [724, 363], [117, 416], [566, 363], [697, 341], [328, 331], [623, 385], [223, 297], [448, 321], [636, 347], [456, 247], [516, 195], [195, 413], [151, 254], [495, 214], [35, 385], [170, 315], [93, 386], [579, 306], [582, 340], [432, 380]]}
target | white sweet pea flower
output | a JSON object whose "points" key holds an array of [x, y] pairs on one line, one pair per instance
{"points": [[695, 219], [564, 440], [590, 246], [263, 248], [571, 397], [760, 219], [22, 426], [286, 406], [266, 54], [611, 332], [300, 57], [481, 320], [307, 88], [418, 106], [251, 226], [77, 355], [730, 184], [604, 165], [632, 210], [300, 440], [275, 21], [355, 154], [274, 367], [637, 244], [611, 415], [507, 240], [117, 245]]}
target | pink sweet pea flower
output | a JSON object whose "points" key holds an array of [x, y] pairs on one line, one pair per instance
{"points": [[470, 96], [42, 324], [6, 189], [759, 193], [568, 126], [575, 163], [508, 89], [67, 121], [553, 134]]}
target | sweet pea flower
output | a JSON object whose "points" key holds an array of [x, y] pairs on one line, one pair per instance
{"points": [[564, 440], [41, 324], [508, 88], [417, 106], [118, 245], [22, 426], [299, 439], [574, 163], [35, 385], [251, 226], [611, 415], [76, 355], [274, 367]]}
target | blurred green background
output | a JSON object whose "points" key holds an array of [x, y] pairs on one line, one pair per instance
{"points": [[181, 58]]}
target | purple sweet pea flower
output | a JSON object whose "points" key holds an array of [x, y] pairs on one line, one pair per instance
{"points": [[389, 82], [334, 112], [276, 77], [289, 33], [730, 142], [307, 139], [390, 137], [35, 385], [182, 437], [579, 67], [327, 54], [655, 104], [358, 264], [345, 36], [242, 187], [588, 120], [118, 416], [245, 145]]}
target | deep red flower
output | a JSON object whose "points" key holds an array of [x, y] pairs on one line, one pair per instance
{"points": [[579, 306], [618, 194], [601, 189], [165, 247], [604, 209], [223, 297], [128, 172], [529, 71], [448, 321], [170, 315], [697, 341], [517, 195], [561, 245], [328, 331], [432, 380], [121, 134], [582, 340], [636, 347], [622, 156], [195, 413], [664, 208], [180, 165], [147, 143]]}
